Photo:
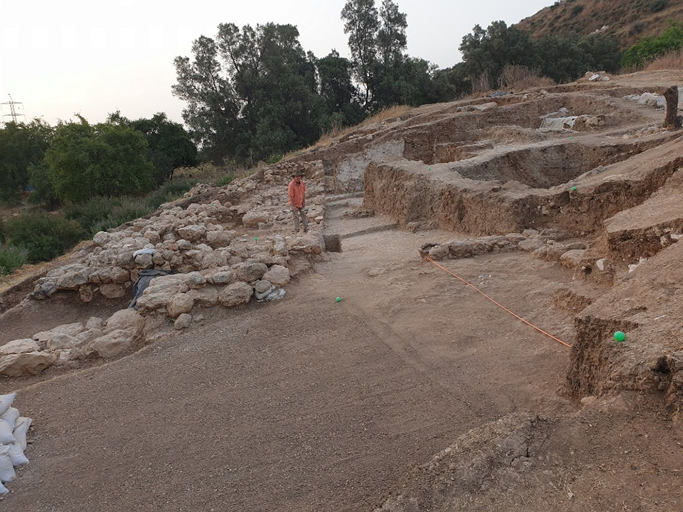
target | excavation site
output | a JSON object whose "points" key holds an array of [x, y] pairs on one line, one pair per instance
{"points": [[484, 315]]}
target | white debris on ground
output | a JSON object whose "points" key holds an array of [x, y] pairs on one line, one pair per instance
{"points": [[558, 121], [13, 428]]}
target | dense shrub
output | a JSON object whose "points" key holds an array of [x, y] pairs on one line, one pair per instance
{"points": [[11, 258], [225, 180], [44, 237], [169, 191], [102, 213], [649, 48]]}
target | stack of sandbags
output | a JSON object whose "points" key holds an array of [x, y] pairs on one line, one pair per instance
{"points": [[13, 430]]}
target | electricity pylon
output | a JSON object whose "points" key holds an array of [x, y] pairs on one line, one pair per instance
{"points": [[13, 111]]}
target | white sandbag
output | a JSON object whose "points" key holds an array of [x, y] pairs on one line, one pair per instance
{"points": [[16, 455], [11, 416], [6, 433], [6, 402], [20, 430], [7, 473], [3, 490]]}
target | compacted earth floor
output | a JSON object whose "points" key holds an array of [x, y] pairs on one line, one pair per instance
{"points": [[309, 403]]}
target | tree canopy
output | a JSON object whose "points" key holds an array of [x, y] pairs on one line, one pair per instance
{"points": [[22, 146], [169, 145], [102, 160], [251, 93]]}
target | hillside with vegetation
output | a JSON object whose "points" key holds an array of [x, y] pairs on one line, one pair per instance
{"points": [[627, 20]]}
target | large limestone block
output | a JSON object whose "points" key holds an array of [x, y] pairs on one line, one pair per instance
{"points": [[112, 291], [250, 271], [218, 239], [20, 346], [180, 303], [112, 344], [67, 329], [277, 275], [74, 277], [28, 363], [223, 276], [127, 320], [206, 297], [193, 233], [236, 294], [253, 218]]}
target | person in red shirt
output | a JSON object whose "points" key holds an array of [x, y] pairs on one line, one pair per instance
{"points": [[296, 190]]}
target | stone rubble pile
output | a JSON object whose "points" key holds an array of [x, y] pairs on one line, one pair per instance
{"points": [[13, 429], [545, 244], [218, 246]]}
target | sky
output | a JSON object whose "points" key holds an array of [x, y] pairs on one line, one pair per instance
{"points": [[59, 58]]}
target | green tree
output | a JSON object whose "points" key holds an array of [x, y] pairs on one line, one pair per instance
{"points": [[377, 41], [486, 52], [338, 92], [251, 93], [361, 23], [22, 146], [560, 58], [169, 145], [106, 159]]}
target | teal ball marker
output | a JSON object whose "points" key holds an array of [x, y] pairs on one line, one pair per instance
{"points": [[338, 299], [619, 336]]}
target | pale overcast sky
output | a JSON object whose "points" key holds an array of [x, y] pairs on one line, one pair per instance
{"points": [[61, 57]]}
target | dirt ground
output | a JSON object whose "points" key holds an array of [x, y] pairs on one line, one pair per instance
{"points": [[411, 393], [309, 404]]}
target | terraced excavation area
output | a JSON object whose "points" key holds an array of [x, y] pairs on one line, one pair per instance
{"points": [[442, 339]]}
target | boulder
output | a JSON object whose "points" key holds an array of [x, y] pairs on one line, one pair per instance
{"points": [[101, 238], [206, 297], [125, 319], [223, 276], [250, 271], [217, 239], [253, 218], [277, 275], [180, 303], [183, 321], [192, 233], [439, 252], [27, 363], [235, 294], [71, 330], [112, 291], [73, 278], [20, 346], [112, 344], [530, 244], [144, 261]]}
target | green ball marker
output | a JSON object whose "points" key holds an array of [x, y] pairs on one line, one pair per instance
{"points": [[338, 299], [256, 239], [430, 168], [573, 189], [619, 336]]}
